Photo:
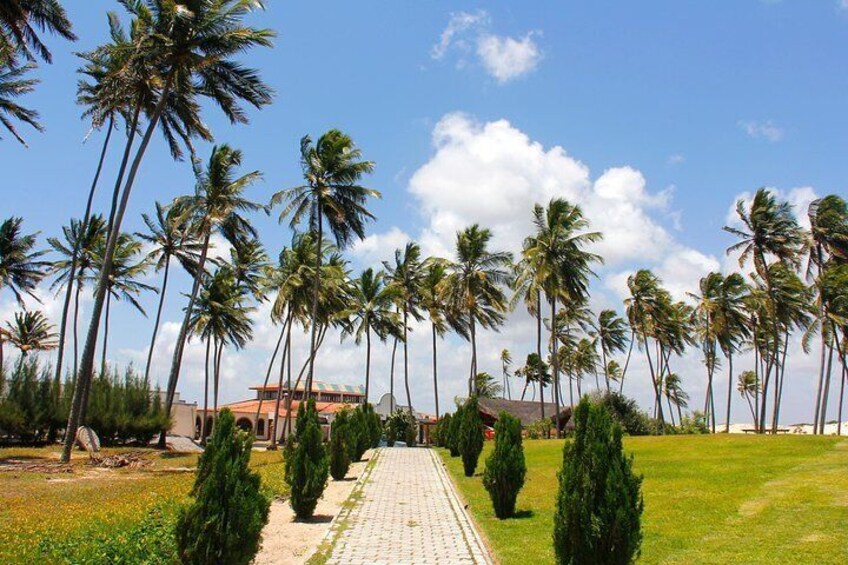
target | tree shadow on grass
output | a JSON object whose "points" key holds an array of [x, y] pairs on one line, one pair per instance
{"points": [[523, 514], [316, 519]]}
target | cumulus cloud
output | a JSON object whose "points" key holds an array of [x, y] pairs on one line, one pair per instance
{"points": [[767, 130], [504, 58], [375, 248]]}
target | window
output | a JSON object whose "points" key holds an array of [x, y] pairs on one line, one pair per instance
{"points": [[260, 428]]}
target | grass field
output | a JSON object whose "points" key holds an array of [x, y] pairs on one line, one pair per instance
{"points": [[708, 499], [38, 506]]}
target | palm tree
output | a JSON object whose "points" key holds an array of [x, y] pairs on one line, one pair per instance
{"points": [[435, 272], [124, 284], [486, 386], [770, 228], [12, 85], [169, 239], [20, 267], [77, 261], [562, 266], [748, 387], [611, 333], [30, 332], [248, 261], [216, 206], [332, 168], [19, 21], [675, 395], [190, 46], [834, 290], [220, 318], [372, 310], [474, 288], [506, 361], [705, 314], [643, 307], [732, 329], [406, 277], [535, 370]]}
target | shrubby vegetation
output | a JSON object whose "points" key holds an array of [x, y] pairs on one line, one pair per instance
{"points": [[224, 522], [33, 406], [307, 465], [625, 412], [470, 438], [599, 503], [341, 438], [505, 467], [400, 426]]}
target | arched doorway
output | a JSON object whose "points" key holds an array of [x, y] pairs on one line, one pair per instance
{"points": [[245, 424]]}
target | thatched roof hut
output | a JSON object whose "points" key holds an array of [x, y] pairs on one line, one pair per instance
{"points": [[526, 411]]}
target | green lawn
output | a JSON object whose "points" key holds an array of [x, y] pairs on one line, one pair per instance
{"points": [[708, 499], [89, 502]]}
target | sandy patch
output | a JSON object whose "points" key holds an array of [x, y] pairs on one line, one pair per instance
{"points": [[287, 542]]}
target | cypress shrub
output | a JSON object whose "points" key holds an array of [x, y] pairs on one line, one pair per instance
{"points": [[470, 441], [375, 428], [442, 431], [411, 431], [361, 436], [339, 450], [505, 467], [453, 432], [599, 504], [307, 475], [224, 522]]}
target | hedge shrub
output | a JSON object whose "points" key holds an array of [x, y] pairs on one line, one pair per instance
{"points": [[505, 467]]}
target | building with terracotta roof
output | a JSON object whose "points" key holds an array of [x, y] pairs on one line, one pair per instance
{"points": [[329, 399]]}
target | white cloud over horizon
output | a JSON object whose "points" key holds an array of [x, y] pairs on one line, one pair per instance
{"points": [[767, 130]]}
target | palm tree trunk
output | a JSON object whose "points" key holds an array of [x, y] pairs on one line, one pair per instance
{"points": [[179, 347], [472, 385], [778, 393], [392, 379], [321, 335], [555, 363], [821, 379], [670, 412], [729, 389], [203, 431], [406, 362], [658, 402], [287, 428], [83, 228], [756, 378], [435, 373], [219, 346], [627, 361], [604, 361], [270, 367], [76, 331], [289, 392], [315, 295], [87, 363], [105, 336], [367, 362], [841, 395], [826, 392], [158, 318]]}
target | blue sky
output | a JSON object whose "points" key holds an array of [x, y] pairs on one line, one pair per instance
{"points": [[664, 112]]}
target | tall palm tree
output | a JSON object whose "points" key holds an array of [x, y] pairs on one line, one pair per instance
{"points": [[506, 361], [474, 288], [747, 384], [435, 272], [643, 308], [21, 268], [486, 386], [675, 395], [31, 332], [562, 265], [731, 326], [332, 170], [168, 239], [220, 317], [705, 315], [611, 332], [72, 270], [13, 84], [216, 207], [128, 268], [372, 311], [534, 370], [248, 261], [834, 290], [406, 277], [19, 22], [189, 45], [769, 229]]}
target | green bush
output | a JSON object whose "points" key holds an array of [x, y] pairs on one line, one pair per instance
{"points": [[307, 474], [375, 428], [470, 439], [599, 503], [505, 467], [540, 429], [339, 445], [694, 424], [397, 426], [442, 436], [361, 432], [453, 432], [411, 431], [224, 522], [33, 404], [625, 412]]}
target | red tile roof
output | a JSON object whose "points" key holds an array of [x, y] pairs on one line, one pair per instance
{"points": [[250, 406]]}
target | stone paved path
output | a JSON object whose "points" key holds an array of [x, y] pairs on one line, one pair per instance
{"points": [[408, 514]]}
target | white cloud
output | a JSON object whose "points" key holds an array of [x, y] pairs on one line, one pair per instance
{"points": [[377, 247], [675, 159], [767, 130], [506, 58]]}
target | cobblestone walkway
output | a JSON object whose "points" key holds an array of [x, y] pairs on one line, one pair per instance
{"points": [[408, 514]]}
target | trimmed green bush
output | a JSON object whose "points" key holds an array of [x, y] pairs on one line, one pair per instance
{"points": [[443, 431], [411, 431], [505, 467], [599, 504], [361, 432], [470, 441], [375, 428], [224, 522], [396, 427], [626, 412], [453, 432], [339, 449], [307, 474]]}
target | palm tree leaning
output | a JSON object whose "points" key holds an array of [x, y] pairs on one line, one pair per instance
{"points": [[168, 239], [19, 21], [30, 332], [372, 312], [611, 331], [406, 276], [474, 288], [216, 206], [332, 170], [769, 229], [189, 47], [13, 83], [506, 361], [435, 272]]}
